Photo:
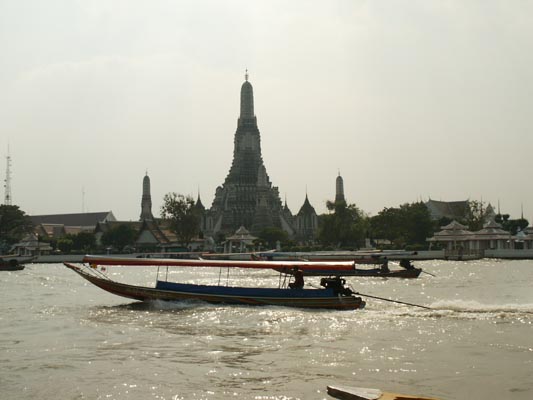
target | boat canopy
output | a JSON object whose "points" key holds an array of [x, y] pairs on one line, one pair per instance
{"points": [[278, 265]]}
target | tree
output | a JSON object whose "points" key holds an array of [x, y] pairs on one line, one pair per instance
{"points": [[410, 224], [511, 225], [476, 215], [181, 215], [119, 236], [84, 241], [387, 225], [65, 244], [417, 223], [501, 218], [270, 236], [344, 228], [14, 225]]}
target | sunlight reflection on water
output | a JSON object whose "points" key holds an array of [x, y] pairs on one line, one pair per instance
{"points": [[66, 339]]}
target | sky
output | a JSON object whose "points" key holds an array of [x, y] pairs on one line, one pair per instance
{"points": [[407, 100]]}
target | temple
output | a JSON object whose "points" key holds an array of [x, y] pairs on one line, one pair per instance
{"points": [[146, 201], [339, 189], [247, 197]]}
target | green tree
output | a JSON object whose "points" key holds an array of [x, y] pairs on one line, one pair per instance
{"points": [[344, 227], [270, 236], [182, 216], [84, 241], [119, 236], [476, 215], [416, 223], [387, 225], [443, 221], [410, 224], [511, 225], [65, 244], [14, 225]]}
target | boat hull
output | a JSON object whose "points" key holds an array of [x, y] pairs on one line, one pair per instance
{"points": [[8, 267], [13, 262], [169, 291]]}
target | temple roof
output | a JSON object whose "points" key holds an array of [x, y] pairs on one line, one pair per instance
{"points": [[199, 204], [77, 219], [492, 229], [242, 234], [306, 208]]}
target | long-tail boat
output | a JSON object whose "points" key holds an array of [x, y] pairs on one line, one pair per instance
{"points": [[407, 270], [369, 272], [332, 295], [358, 256], [14, 262]]}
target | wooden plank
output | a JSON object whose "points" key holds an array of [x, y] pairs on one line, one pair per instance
{"points": [[353, 393]]}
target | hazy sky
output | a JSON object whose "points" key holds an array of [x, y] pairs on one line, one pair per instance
{"points": [[407, 99]]}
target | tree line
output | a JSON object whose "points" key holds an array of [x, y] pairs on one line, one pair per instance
{"points": [[344, 226]]}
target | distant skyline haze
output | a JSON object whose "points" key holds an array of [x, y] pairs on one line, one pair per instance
{"points": [[408, 100]]}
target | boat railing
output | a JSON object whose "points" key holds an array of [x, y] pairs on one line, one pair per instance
{"points": [[92, 269]]}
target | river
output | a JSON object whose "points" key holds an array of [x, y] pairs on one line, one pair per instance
{"points": [[61, 338]]}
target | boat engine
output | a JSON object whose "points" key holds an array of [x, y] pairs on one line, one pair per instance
{"points": [[337, 284]]}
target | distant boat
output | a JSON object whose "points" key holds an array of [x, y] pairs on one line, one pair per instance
{"points": [[309, 262], [333, 295], [407, 271], [370, 272], [358, 257], [14, 262]]}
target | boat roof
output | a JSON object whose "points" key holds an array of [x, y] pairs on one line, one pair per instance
{"points": [[279, 265]]}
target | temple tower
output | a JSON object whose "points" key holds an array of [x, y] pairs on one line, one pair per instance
{"points": [[247, 197], [339, 189], [146, 201], [7, 181]]}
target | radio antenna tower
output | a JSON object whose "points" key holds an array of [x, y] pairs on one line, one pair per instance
{"points": [[7, 181], [83, 199]]}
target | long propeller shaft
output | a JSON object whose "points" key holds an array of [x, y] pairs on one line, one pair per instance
{"points": [[392, 301]]}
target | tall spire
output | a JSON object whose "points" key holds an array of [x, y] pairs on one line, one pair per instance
{"points": [[247, 143], [146, 201], [247, 99], [339, 189], [7, 181]]}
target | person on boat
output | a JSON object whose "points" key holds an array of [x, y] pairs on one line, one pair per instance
{"points": [[404, 263], [298, 279], [384, 269]]}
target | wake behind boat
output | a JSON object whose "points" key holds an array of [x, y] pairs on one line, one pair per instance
{"points": [[333, 295]]}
